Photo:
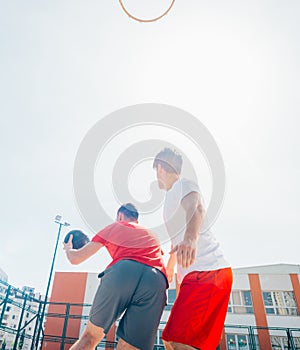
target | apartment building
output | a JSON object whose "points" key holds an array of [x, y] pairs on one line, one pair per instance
{"points": [[20, 311], [3, 276], [4, 279], [266, 298], [263, 313]]}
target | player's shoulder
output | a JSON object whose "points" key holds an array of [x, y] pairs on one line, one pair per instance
{"points": [[125, 225], [106, 230], [186, 186]]}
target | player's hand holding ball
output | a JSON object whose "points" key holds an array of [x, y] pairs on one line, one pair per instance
{"points": [[75, 239], [68, 245]]}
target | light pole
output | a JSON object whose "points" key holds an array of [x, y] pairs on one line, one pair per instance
{"points": [[57, 220]]}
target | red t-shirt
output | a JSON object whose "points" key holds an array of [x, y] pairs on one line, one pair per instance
{"points": [[130, 241]]}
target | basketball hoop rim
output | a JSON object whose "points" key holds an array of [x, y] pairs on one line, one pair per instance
{"points": [[146, 20]]}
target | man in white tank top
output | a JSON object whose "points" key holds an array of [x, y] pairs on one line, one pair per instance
{"points": [[197, 317]]}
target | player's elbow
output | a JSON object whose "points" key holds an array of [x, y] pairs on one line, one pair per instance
{"points": [[196, 212], [74, 260], [199, 210]]}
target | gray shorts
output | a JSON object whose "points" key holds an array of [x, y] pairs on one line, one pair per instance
{"points": [[139, 291]]}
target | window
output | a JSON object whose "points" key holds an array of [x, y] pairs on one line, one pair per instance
{"points": [[297, 343], [279, 343], [280, 303], [8, 308], [240, 302], [171, 299], [237, 342]]}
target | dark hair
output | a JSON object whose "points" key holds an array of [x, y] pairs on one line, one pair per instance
{"points": [[170, 160], [129, 210]]}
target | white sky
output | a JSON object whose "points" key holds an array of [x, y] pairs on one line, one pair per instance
{"points": [[66, 64]]}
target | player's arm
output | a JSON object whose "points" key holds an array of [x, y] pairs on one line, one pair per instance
{"points": [[77, 256], [186, 250], [171, 266]]}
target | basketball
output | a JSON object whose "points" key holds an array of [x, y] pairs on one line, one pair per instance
{"points": [[79, 238]]}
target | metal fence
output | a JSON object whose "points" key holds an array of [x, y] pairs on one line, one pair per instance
{"points": [[21, 318], [281, 338]]}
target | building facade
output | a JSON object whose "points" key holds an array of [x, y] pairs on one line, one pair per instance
{"points": [[3, 276], [263, 313], [3, 281], [19, 310], [267, 299]]}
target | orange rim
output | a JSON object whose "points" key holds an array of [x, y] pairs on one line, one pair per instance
{"points": [[146, 20]]}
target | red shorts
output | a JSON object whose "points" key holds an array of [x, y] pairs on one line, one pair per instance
{"points": [[198, 315]]}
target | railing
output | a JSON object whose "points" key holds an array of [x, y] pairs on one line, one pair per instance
{"points": [[290, 335], [21, 317]]}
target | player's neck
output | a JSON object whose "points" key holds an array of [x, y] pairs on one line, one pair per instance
{"points": [[172, 178]]}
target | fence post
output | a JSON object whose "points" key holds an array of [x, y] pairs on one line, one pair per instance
{"points": [[36, 326], [251, 338], [291, 344], [20, 322], [62, 345], [4, 304]]}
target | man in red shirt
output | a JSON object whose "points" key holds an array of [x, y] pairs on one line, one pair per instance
{"points": [[134, 283]]}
